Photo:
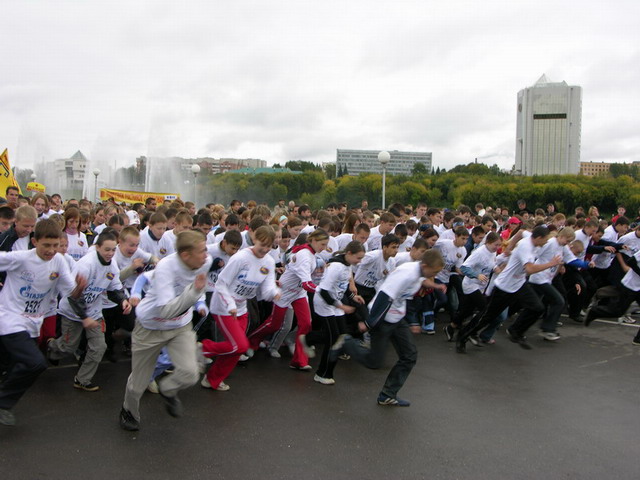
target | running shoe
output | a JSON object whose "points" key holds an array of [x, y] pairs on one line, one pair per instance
{"points": [[87, 387], [323, 380], [449, 331], [127, 422], [386, 400]]}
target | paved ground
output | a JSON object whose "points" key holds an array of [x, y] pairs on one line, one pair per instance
{"points": [[562, 410]]}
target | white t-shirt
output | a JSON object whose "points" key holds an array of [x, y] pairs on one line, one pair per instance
{"points": [[401, 285], [603, 260], [407, 244], [482, 261], [335, 282], [244, 277], [31, 286], [447, 234], [374, 241], [167, 244], [21, 244], [514, 275], [148, 244], [170, 278], [78, 246], [545, 254], [373, 269], [453, 258], [631, 280], [123, 262], [580, 235], [345, 238], [98, 230], [299, 270], [632, 241], [402, 258], [100, 279], [332, 247]]}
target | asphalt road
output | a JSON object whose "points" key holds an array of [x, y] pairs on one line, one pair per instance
{"points": [[562, 410]]}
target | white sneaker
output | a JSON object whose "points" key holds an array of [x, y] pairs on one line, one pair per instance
{"points": [[308, 351], [243, 358], [274, 354], [204, 383], [324, 381], [249, 353], [153, 387], [263, 344], [550, 336], [627, 319], [223, 387]]}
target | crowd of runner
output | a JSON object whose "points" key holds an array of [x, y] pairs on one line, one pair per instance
{"points": [[188, 293]]}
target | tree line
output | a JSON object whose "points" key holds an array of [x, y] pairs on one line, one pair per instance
{"points": [[464, 184]]}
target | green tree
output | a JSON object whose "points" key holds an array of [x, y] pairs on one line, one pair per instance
{"points": [[302, 166], [330, 171], [419, 168]]}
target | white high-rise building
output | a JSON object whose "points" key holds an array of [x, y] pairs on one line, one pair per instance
{"points": [[548, 129]]}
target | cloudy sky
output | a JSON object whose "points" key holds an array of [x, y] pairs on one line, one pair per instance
{"points": [[282, 80]]}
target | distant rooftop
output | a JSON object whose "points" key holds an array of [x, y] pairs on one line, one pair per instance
{"points": [[78, 156], [543, 81], [254, 171]]}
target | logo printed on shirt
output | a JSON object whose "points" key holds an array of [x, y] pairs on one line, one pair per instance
{"points": [[265, 270], [163, 251], [80, 243], [110, 275], [54, 275], [329, 249], [293, 260]]}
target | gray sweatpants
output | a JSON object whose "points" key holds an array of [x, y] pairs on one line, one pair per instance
{"points": [[68, 342], [145, 348]]}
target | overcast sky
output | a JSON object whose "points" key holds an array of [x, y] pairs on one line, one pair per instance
{"points": [[282, 80]]}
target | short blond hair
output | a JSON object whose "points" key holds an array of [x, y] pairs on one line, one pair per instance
{"points": [[26, 212], [188, 240]]}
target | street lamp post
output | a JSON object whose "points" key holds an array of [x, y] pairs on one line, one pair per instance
{"points": [[96, 172], [195, 169], [383, 158]]}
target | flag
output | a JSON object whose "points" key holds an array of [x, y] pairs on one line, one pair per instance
{"points": [[6, 175]]}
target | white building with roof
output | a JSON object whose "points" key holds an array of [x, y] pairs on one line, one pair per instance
{"points": [[548, 129]]}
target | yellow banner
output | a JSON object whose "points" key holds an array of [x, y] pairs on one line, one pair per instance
{"points": [[6, 175], [135, 197], [36, 187]]}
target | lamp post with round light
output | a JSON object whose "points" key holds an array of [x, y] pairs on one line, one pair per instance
{"points": [[383, 158], [96, 172], [195, 169]]}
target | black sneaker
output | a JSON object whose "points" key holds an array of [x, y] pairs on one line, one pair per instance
{"points": [[520, 340], [461, 346], [87, 387], [636, 341], [7, 417], [127, 422], [174, 405], [576, 318], [449, 331], [386, 400]]}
